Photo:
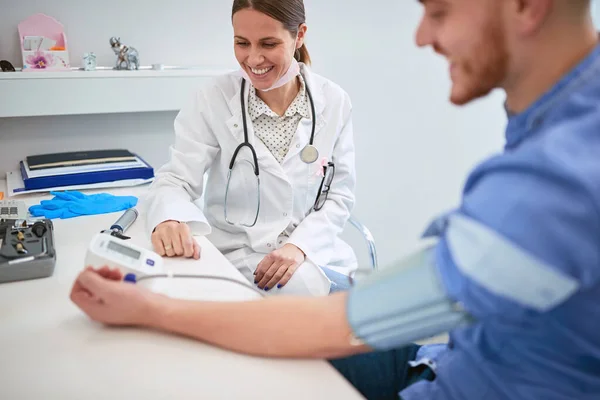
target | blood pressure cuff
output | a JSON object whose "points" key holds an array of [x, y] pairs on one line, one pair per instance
{"points": [[467, 272], [403, 303]]}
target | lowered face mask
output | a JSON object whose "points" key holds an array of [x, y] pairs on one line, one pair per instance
{"points": [[291, 73]]}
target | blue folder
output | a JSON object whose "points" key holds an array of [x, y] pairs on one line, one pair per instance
{"points": [[85, 178]]}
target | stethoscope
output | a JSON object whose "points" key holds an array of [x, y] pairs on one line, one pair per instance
{"points": [[309, 153]]}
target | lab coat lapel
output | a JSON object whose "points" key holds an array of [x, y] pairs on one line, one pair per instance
{"points": [[302, 136], [235, 123], [316, 91]]}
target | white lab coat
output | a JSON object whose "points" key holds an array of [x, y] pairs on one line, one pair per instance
{"points": [[207, 132]]}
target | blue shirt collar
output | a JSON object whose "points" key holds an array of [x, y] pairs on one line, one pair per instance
{"points": [[519, 125]]}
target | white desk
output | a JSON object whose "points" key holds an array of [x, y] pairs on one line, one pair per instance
{"points": [[50, 350]]}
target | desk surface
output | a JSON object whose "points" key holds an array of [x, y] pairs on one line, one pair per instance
{"points": [[50, 349]]}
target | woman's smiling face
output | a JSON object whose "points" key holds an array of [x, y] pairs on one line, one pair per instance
{"points": [[263, 47]]}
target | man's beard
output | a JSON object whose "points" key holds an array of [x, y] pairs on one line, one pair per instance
{"points": [[485, 71]]}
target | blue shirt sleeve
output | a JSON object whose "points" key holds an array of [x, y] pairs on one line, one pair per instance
{"points": [[539, 207]]}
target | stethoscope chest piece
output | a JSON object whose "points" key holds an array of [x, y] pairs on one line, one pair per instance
{"points": [[309, 154]]}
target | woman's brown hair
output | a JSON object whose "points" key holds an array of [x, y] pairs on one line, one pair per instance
{"points": [[289, 12]]}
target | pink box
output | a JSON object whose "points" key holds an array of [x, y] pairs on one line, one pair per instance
{"points": [[53, 59]]}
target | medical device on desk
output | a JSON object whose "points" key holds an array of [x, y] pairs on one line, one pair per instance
{"points": [[26, 248], [13, 209], [122, 224], [308, 155], [112, 249]]}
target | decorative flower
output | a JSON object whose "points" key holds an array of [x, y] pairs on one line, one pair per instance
{"points": [[39, 60], [321, 168]]}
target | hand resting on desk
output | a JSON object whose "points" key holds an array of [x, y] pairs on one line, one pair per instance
{"points": [[278, 267], [174, 239]]}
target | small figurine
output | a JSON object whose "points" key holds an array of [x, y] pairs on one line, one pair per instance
{"points": [[127, 57], [89, 61]]}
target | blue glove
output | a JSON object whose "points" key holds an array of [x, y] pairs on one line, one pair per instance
{"points": [[74, 204]]}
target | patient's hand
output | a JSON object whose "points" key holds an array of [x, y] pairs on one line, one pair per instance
{"points": [[278, 267], [104, 297], [173, 238]]}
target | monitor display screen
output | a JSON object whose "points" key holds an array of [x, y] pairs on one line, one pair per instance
{"points": [[124, 250]]}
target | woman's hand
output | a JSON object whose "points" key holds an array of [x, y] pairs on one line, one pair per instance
{"points": [[278, 267], [174, 238], [105, 298]]}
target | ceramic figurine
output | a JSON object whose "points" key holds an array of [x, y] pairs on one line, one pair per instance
{"points": [[89, 61], [127, 57]]}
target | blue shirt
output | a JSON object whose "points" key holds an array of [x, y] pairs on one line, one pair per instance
{"points": [[542, 194]]}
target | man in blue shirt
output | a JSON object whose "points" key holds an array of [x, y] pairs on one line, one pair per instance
{"points": [[514, 270]]}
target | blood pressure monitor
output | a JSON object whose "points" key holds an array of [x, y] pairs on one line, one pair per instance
{"points": [[107, 250]]}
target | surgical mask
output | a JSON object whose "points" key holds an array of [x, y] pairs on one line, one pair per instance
{"points": [[290, 75]]}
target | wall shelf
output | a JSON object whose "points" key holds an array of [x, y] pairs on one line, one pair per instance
{"points": [[28, 94]]}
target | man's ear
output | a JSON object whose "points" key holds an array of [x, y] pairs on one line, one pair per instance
{"points": [[529, 15]]}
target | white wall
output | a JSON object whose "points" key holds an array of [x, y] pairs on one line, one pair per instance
{"points": [[414, 149]]}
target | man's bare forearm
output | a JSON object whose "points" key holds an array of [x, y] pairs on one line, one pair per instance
{"points": [[301, 327]]}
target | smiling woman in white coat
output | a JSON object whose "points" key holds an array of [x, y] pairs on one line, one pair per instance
{"points": [[286, 202]]}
